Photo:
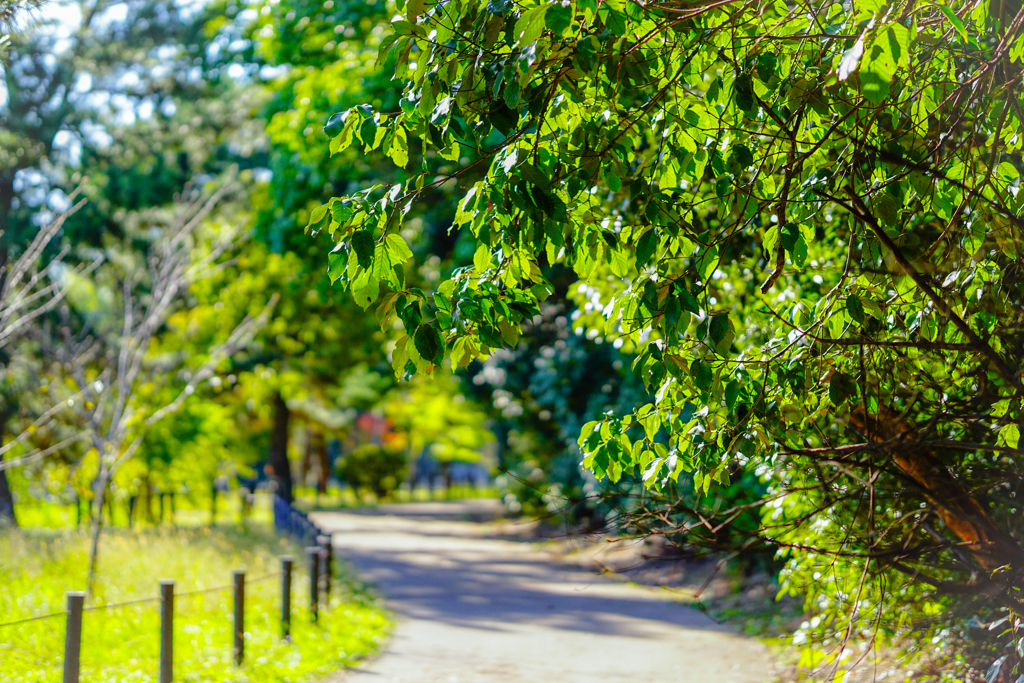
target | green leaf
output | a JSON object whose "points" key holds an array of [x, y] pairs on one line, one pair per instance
{"points": [[530, 25], [687, 300], [700, 371], [413, 9], [429, 343], [362, 244], [855, 308], [719, 328], [957, 22], [317, 214], [723, 185], [645, 247], [337, 261], [766, 64], [559, 18], [732, 392], [840, 387], [399, 149], [743, 92], [397, 248], [616, 22], [885, 208], [335, 124], [345, 135], [742, 156], [1010, 435]]}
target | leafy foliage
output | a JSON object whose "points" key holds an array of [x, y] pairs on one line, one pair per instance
{"points": [[801, 221]]}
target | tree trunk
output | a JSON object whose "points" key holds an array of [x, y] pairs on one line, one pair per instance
{"points": [[278, 456], [7, 516], [962, 513], [318, 446], [306, 466], [97, 525]]}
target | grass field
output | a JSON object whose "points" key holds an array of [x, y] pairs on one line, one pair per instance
{"points": [[307, 499], [189, 510], [121, 644], [193, 510]]}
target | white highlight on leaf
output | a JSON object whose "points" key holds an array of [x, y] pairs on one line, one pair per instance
{"points": [[850, 60]]}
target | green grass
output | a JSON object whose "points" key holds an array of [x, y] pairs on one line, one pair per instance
{"points": [[307, 499], [193, 510], [122, 644], [190, 510]]}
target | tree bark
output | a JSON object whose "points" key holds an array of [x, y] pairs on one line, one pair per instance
{"points": [[278, 456], [7, 516], [962, 513]]}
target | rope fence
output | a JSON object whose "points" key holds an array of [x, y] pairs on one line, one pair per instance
{"points": [[320, 563], [38, 618]]}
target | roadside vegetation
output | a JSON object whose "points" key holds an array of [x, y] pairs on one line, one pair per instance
{"points": [[122, 643]]}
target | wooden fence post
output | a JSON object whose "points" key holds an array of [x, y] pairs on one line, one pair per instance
{"points": [[213, 502], [73, 637], [239, 581], [328, 566], [166, 630], [286, 596], [313, 553]]}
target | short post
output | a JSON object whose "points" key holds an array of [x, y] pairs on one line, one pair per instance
{"points": [[328, 566], [287, 562], [166, 630], [239, 581], [73, 637], [313, 553], [213, 503]]}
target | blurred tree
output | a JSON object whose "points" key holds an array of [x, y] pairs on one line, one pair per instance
{"points": [[436, 418], [107, 337], [27, 293], [374, 467], [538, 395]]}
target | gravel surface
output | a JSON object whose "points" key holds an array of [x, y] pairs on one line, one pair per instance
{"points": [[473, 607]]}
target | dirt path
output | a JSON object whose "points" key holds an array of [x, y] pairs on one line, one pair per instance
{"points": [[475, 609]]}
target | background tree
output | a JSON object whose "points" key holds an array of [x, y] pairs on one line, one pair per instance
{"points": [[437, 420], [27, 293], [105, 339]]}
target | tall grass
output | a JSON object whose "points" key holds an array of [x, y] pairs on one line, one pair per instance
{"points": [[122, 644]]}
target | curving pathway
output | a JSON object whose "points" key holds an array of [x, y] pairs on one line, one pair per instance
{"points": [[476, 609]]}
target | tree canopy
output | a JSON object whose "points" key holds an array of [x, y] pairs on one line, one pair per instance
{"points": [[801, 221]]}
